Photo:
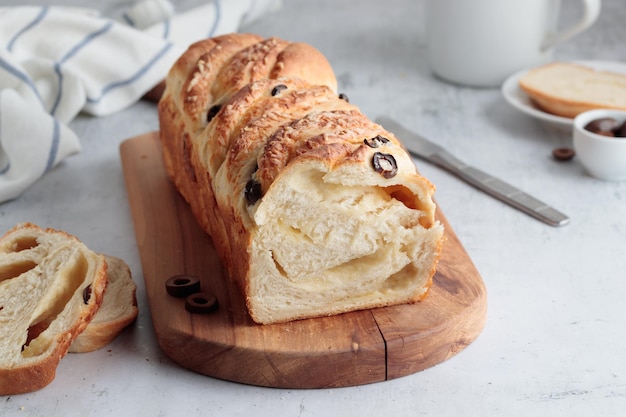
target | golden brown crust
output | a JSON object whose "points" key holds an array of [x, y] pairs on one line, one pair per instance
{"points": [[189, 98], [199, 90], [251, 101], [311, 132], [25, 379], [316, 69], [256, 113], [556, 106], [248, 65]]}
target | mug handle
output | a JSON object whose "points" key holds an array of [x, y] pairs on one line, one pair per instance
{"points": [[590, 14]]}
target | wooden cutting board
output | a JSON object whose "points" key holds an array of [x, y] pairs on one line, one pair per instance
{"points": [[345, 350]]}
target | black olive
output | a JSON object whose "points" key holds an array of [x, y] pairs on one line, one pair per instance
{"points": [[376, 141], [182, 285], [87, 294], [212, 112], [385, 164], [253, 191], [278, 89], [202, 302], [344, 97]]}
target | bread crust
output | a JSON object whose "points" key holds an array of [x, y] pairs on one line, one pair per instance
{"points": [[35, 367]]}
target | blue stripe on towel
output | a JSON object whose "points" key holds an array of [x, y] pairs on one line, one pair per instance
{"points": [[34, 22], [132, 78], [22, 76], [70, 54], [218, 15], [57, 100], [128, 19], [4, 169], [54, 146], [166, 28]]}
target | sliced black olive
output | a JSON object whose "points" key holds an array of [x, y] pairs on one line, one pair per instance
{"points": [[182, 285], [253, 191], [87, 294], [278, 89], [212, 112], [344, 97], [202, 302], [384, 164], [376, 141]]}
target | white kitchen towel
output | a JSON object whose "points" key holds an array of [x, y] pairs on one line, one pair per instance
{"points": [[56, 62]]}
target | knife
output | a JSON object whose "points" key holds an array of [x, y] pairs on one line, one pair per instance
{"points": [[422, 148]]}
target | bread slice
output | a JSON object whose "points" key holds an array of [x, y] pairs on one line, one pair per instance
{"points": [[51, 285], [313, 209], [118, 309], [567, 89]]}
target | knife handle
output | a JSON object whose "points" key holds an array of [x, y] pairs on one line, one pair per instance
{"points": [[500, 190]]}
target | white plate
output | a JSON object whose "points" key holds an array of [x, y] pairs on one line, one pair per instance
{"points": [[518, 99]]}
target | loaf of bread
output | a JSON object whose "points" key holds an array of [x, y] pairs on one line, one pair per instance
{"points": [[118, 309], [51, 285], [567, 89], [313, 209]]}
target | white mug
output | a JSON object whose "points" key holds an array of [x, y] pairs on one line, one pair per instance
{"points": [[481, 42]]}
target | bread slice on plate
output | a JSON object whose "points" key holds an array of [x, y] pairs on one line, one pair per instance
{"points": [[118, 309], [567, 89], [51, 285]]}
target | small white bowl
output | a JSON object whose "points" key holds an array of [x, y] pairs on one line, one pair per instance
{"points": [[603, 157]]}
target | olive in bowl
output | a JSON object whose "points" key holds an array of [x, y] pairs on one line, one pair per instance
{"points": [[600, 144]]}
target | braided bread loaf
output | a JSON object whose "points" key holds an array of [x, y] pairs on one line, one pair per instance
{"points": [[313, 209]]}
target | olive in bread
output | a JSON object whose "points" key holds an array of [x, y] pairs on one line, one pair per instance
{"points": [[313, 209], [51, 285]]}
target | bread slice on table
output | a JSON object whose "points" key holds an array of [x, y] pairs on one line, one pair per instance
{"points": [[568, 89], [51, 285], [313, 209], [118, 309]]}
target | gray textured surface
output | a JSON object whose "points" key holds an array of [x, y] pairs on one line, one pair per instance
{"points": [[554, 342]]}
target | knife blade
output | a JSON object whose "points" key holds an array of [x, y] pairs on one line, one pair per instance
{"points": [[423, 148]]}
